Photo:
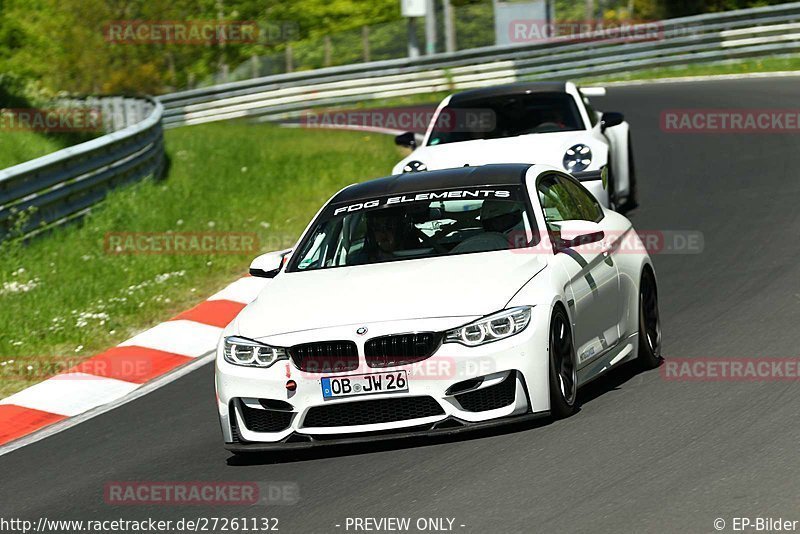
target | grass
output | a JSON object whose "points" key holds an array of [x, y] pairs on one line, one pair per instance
{"points": [[766, 64], [421, 99], [63, 297], [20, 146]]}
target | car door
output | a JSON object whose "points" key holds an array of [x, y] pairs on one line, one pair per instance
{"points": [[592, 275]]}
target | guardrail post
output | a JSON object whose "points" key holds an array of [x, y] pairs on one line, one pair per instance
{"points": [[328, 50], [289, 59], [365, 42], [119, 113]]}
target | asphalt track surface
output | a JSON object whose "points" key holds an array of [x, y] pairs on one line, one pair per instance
{"points": [[642, 455]]}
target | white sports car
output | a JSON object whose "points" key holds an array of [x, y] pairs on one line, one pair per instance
{"points": [[550, 123], [436, 302]]}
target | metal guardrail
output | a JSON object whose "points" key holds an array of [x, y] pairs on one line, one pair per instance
{"points": [[735, 34], [62, 186]]}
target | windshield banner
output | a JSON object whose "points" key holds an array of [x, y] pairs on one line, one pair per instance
{"points": [[478, 193]]}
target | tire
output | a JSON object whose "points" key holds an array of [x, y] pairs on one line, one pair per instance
{"points": [[633, 199], [649, 322], [563, 370]]}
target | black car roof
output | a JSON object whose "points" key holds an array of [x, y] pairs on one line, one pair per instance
{"points": [[509, 89], [413, 182]]}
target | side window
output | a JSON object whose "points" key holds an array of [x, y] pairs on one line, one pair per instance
{"points": [[312, 255], [564, 200]]}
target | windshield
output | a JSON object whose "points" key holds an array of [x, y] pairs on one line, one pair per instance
{"points": [[513, 115], [416, 225]]}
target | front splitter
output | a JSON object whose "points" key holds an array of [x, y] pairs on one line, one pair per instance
{"points": [[447, 427]]}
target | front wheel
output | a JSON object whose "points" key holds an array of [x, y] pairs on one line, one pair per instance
{"points": [[563, 371], [649, 322]]}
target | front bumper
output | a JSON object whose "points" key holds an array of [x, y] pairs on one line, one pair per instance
{"points": [[257, 412]]}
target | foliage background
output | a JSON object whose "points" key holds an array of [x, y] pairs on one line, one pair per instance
{"points": [[55, 46]]}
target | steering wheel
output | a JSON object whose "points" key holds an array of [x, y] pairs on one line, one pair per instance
{"points": [[484, 242], [548, 127], [425, 238]]}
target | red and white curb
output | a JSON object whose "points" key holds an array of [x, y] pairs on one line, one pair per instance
{"points": [[118, 372]]}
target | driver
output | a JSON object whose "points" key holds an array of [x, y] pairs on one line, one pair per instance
{"points": [[501, 216], [552, 117], [388, 230]]}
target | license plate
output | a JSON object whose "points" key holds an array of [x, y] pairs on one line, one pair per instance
{"points": [[346, 386]]}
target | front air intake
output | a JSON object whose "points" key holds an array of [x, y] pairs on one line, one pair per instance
{"points": [[371, 412], [258, 420], [490, 398]]}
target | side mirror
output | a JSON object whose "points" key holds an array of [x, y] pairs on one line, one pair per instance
{"points": [[611, 118], [268, 265], [407, 139], [576, 233]]}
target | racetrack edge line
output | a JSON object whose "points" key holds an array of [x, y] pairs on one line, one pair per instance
{"points": [[144, 389]]}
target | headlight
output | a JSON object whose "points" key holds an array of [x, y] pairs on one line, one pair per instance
{"points": [[243, 351], [578, 158], [415, 166], [492, 328]]}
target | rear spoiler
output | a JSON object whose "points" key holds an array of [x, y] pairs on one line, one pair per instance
{"points": [[593, 91]]}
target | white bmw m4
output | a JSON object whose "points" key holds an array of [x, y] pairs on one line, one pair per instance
{"points": [[436, 302]]}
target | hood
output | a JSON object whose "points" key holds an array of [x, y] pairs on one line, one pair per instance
{"points": [[546, 149], [465, 285]]}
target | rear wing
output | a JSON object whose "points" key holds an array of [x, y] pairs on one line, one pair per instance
{"points": [[593, 91]]}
